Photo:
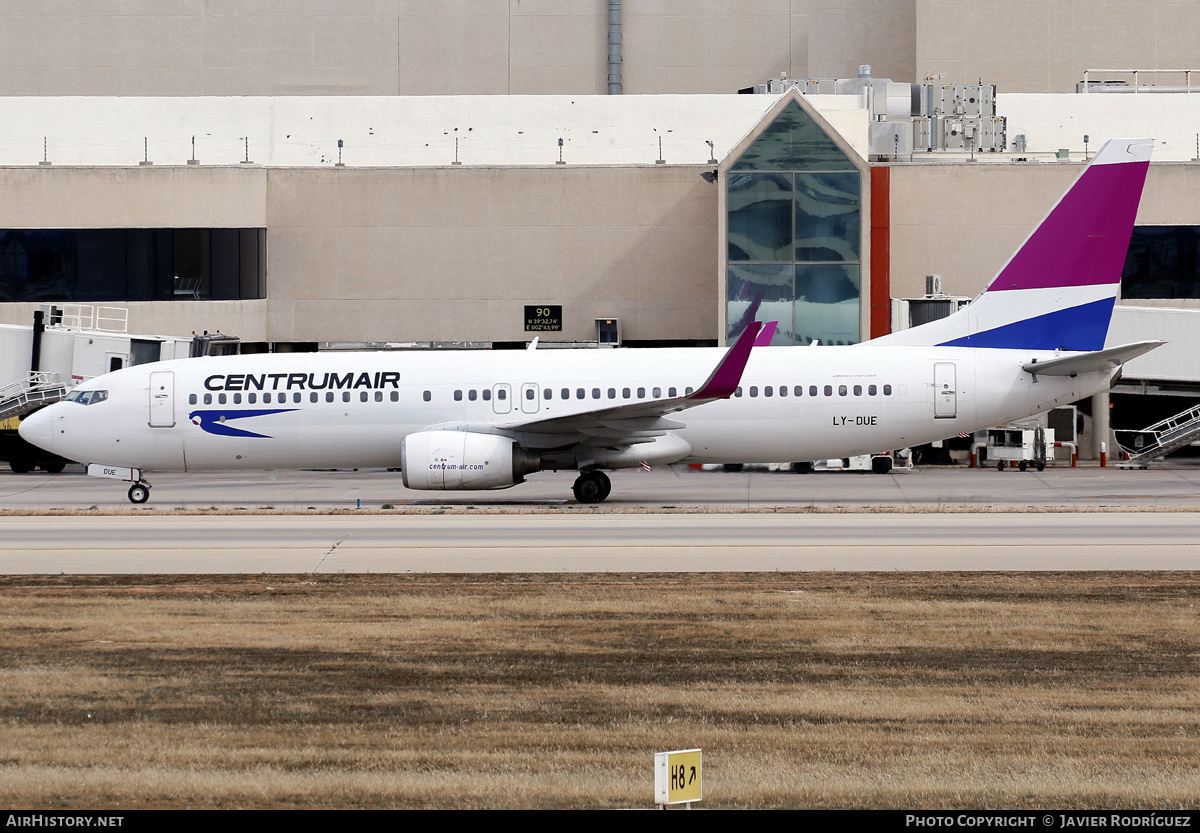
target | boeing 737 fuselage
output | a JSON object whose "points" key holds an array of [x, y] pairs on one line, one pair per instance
{"points": [[483, 420]]}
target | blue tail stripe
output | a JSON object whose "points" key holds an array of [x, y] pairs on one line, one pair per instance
{"points": [[1077, 328]]}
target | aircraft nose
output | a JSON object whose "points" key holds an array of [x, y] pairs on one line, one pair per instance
{"points": [[36, 429]]}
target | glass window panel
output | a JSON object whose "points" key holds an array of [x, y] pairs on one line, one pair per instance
{"points": [[772, 286], [827, 304], [828, 212], [793, 142], [1162, 262], [760, 217]]}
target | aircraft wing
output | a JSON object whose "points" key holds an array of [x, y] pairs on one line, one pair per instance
{"points": [[1111, 358], [640, 421]]}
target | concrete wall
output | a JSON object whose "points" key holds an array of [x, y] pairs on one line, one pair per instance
{"points": [[422, 254], [1036, 46], [842, 34], [392, 47], [492, 47], [142, 197], [449, 254]]}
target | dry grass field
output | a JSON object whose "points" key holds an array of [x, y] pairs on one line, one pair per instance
{"points": [[805, 690]]}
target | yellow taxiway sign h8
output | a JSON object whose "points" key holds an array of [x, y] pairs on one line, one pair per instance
{"points": [[678, 777]]}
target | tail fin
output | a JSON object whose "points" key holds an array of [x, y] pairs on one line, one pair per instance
{"points": [[1057, 292]]}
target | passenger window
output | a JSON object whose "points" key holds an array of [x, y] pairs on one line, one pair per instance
{"points": [[251, 398], [783, 390], [395, 396], [220, 399], [329, 396], [737, 392], [295, 397], [472, 394], [208, 399], [378, 396], [754, 390], [767, 390], [566, 393], [829, 390], [841, 390], [549, 394], [312, 397], [529, 393], [641, 393], [612, 393], [192, 399], [427, 396], [887, 390], [345, 396], [657, 393], [687, 392], [595, 393], [458, 396], [237, 399], [671, 392], [487, 394], [858, 390], [501, 394], [362, 396], [872, 390], [798, 390], [626, 393]]}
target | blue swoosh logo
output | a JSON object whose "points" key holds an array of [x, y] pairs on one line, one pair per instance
{"points": [[217, 422]]}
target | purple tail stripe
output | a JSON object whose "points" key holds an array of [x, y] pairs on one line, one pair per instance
{"points": [[1084, 239]]}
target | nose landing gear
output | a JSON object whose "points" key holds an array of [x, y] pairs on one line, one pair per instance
{"points": [[592, 486]]}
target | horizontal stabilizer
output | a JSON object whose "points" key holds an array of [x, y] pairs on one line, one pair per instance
{"points": [[1111, 358]]}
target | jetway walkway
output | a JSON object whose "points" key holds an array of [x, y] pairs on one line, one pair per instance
{"points": [[1160, 439], [27, 395]]}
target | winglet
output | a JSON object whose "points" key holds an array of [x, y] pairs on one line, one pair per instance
{"points": [[728, 374], [766, 334]]}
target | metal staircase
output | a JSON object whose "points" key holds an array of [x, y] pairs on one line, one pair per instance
{"points": [[25, 396], [1160, 439]]}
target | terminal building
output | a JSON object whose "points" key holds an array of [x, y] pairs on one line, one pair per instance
{"points": [[383, 174]]}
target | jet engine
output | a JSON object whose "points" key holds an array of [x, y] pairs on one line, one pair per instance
{"points": [[464, 460]]}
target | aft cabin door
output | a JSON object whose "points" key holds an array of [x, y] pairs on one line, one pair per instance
{"points": [[945, 392], [162, 399]]}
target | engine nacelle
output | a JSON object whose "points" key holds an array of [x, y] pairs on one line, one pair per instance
{"points": [[463, 460]]}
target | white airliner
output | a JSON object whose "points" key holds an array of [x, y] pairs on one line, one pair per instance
{"points": [[1032, 340]]}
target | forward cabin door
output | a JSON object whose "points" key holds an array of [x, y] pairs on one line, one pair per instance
{"points": [[162, 399], [945, 391], [501, 398]]}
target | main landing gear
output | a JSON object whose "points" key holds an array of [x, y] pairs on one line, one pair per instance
{"points": [[592, 486], [139, 492]]}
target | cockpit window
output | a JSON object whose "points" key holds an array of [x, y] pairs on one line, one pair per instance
{"points": [[86, 397]]}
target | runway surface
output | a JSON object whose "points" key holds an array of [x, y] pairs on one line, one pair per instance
{"points": [[613, 542], [330, 522]]}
